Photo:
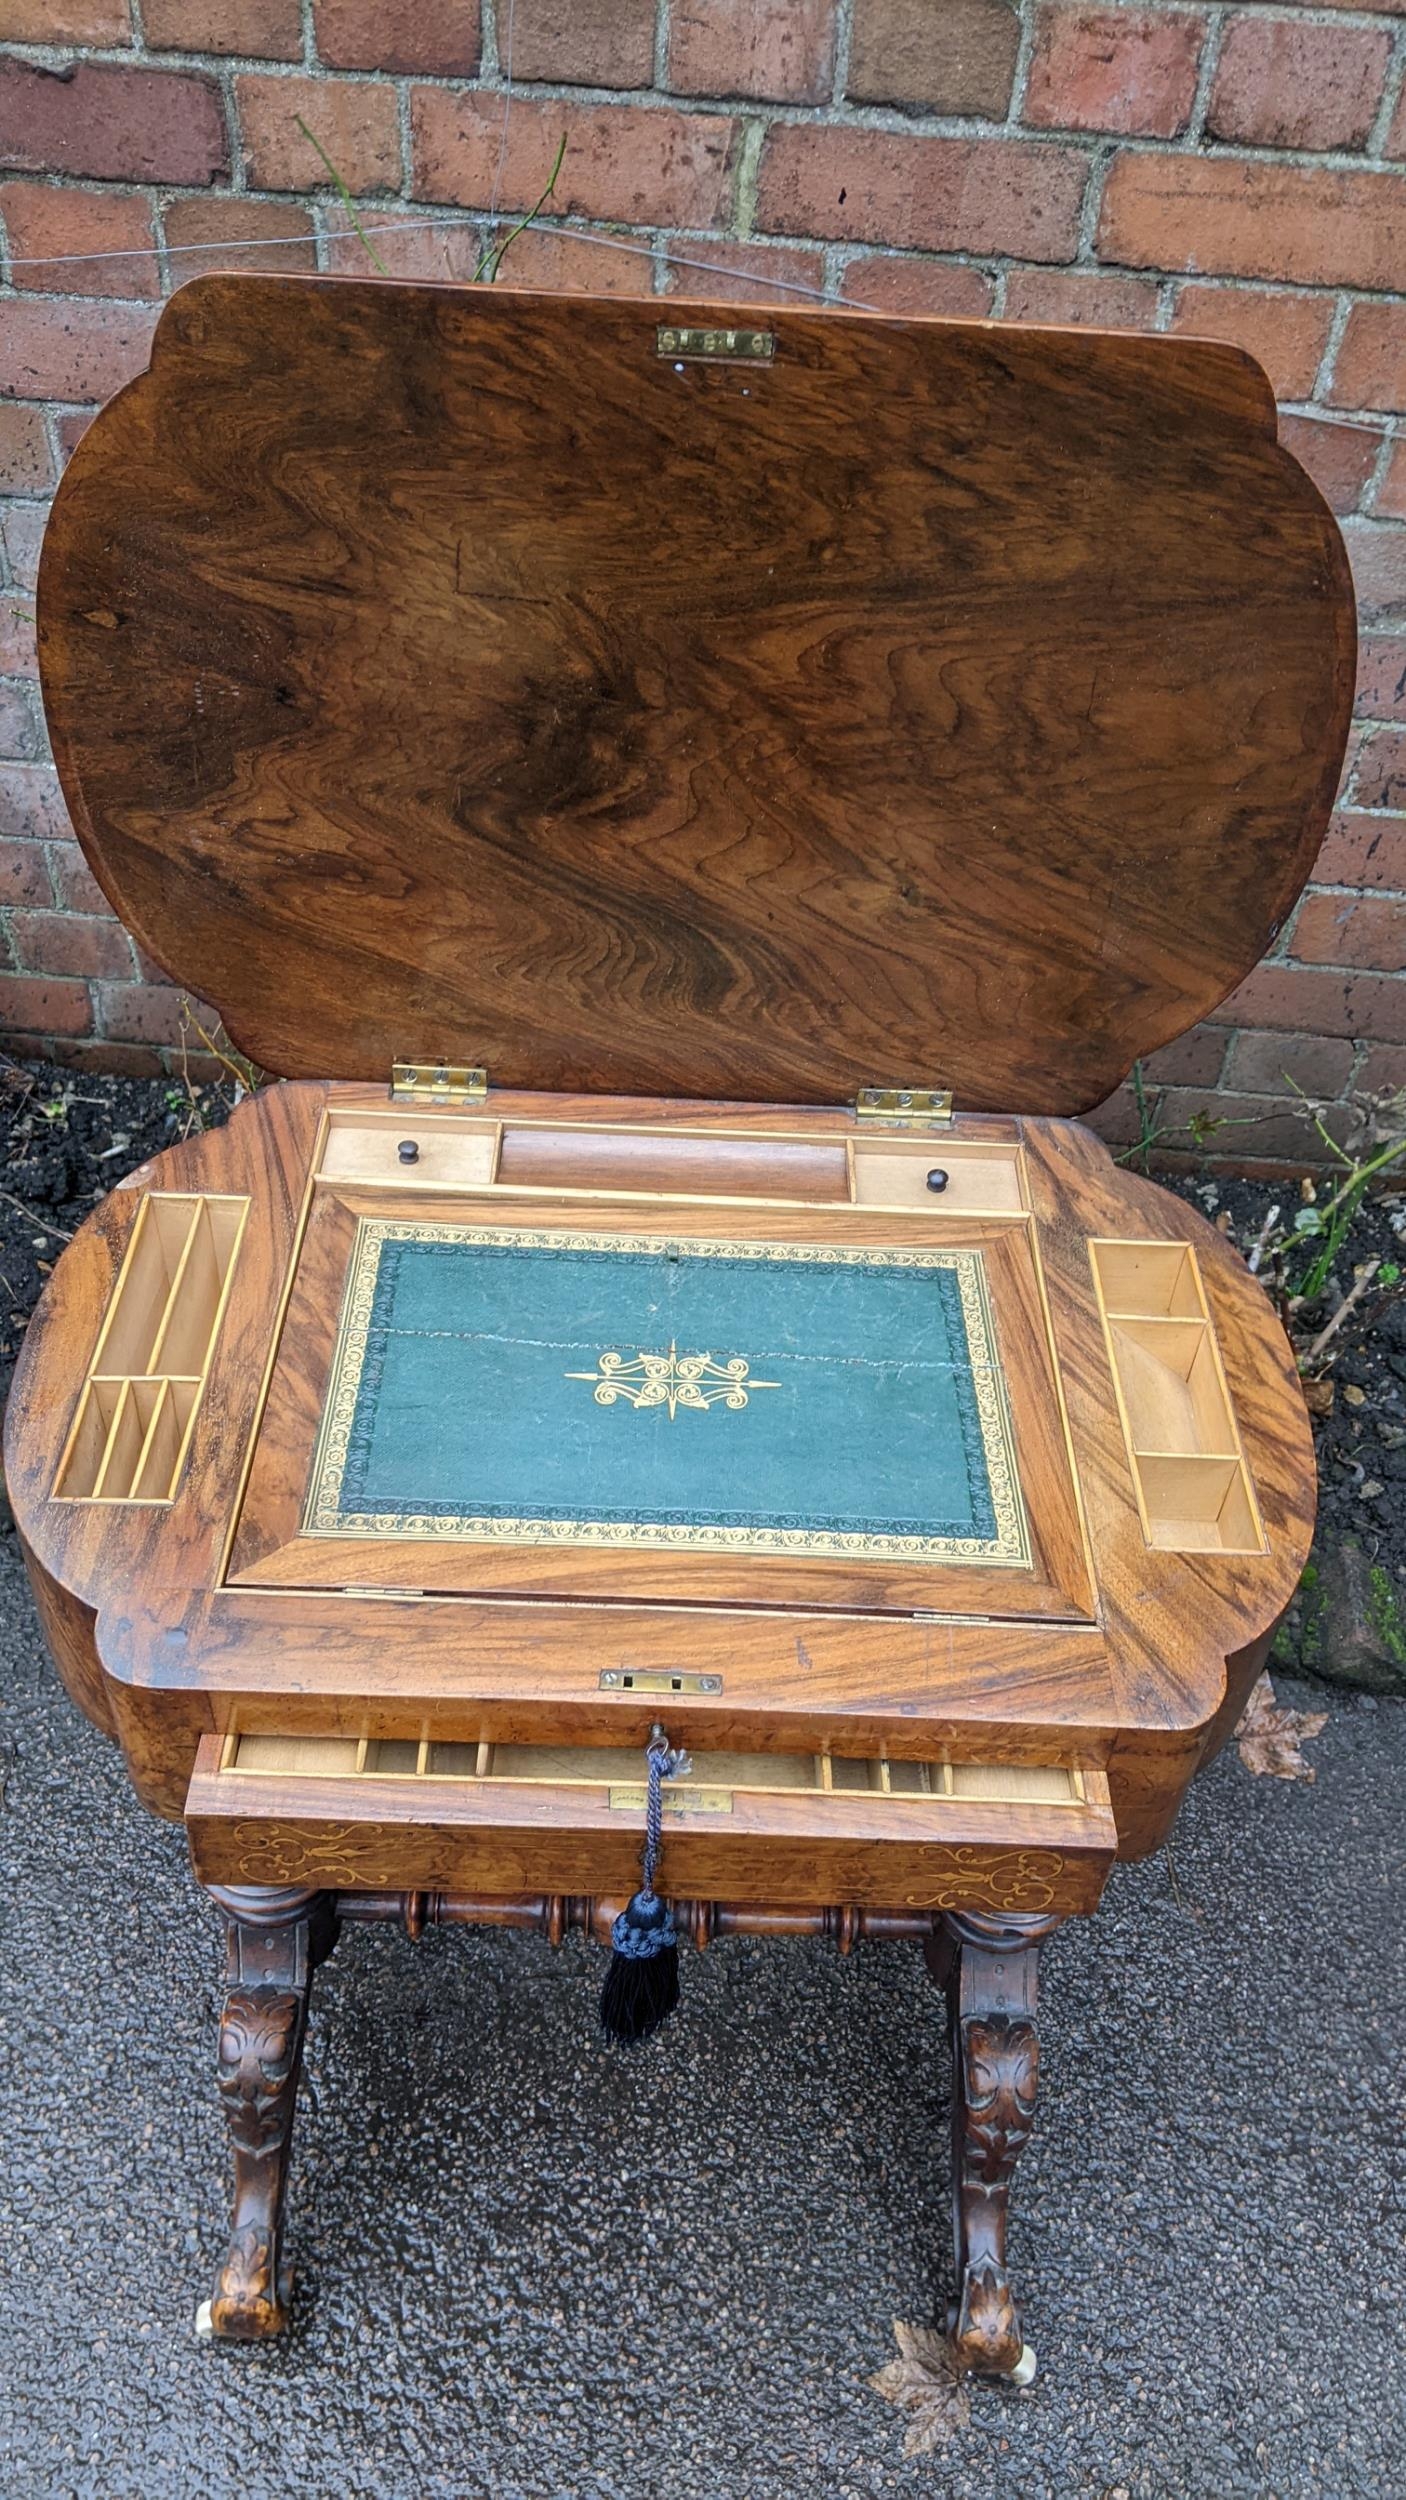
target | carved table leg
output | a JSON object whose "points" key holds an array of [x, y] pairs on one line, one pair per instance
{"points": [[991, 1990], [276, 1937]]}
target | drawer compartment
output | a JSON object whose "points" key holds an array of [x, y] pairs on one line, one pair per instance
{"points": [[367, 1813]]}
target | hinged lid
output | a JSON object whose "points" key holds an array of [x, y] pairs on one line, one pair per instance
{"points": [[449, 674]]}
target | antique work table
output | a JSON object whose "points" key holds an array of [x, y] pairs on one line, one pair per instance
{"points": [[623, 770]]}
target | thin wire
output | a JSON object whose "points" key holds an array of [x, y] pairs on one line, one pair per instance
{"points": [[414, 225]]}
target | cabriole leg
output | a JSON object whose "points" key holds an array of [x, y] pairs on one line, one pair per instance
{"points": [[989, 1967], [275, 1937]]}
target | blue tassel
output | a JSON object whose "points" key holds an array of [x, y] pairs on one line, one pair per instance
{"points": [[642, 1983]]}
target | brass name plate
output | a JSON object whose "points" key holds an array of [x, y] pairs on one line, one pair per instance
{"points": [[738, 347], [631, 1800]]}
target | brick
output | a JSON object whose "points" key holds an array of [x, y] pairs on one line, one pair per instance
{"points": [[1379, 778], [781, 49], [18, 656], [19, 728], [22, 526], [1287, 999], [1391, 493], [1340, 459], [26, 461], [589, 43], [1285, 333], [623, 161], [548, 256], [752, 271], [433, 38], [1129, 70], [201, 232], [1371, 364], [1117, 1121], [440, 252], [71, 350], [24, 875], [141, 1011], [45, 224], [74, 882], [1368, 930], [71, 425], [67, 21], [1238, 1126], [1283, 83], [888, 283], [116, 124], [1241, 219], [1383, 1071], [264, 30], [356, 121], [1377, 553], [29, 1004], [1194, 1058], [31, 803], [943, 195], [1381, 677], [1362, 850], [108, 1058], [1269, 1063], [59, 941], [1065, 296], [957, 58]]}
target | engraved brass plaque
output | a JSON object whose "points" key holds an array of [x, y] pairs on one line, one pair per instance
{"points": [[631, 1799], [738, 347]]}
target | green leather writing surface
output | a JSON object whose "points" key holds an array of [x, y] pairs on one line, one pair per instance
{"points": [[607, 1389]]}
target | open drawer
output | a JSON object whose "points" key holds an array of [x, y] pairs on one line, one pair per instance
{"points": [[351, 1814]]}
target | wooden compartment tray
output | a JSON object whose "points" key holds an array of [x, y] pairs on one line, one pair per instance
{"points": [[1193, 1487], [138, 1405], [365, 1812], [459, 1152]]}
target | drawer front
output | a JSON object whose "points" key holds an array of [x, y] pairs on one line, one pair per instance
{"points": [[350, 1816]]}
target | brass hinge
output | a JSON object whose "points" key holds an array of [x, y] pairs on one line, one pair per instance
{"points": [[656, 1680], [442, 1085], [904, 1106]]}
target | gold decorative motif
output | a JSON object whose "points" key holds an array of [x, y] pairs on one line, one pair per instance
{"points": [[293, 1853], [673, 1380], [1002, 1879], [324, 1515]]}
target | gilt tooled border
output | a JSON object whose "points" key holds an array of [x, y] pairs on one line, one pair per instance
{"points": [[324, 1515]]}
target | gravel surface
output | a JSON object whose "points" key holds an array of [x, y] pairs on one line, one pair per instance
{"points": [[532, 2269]]}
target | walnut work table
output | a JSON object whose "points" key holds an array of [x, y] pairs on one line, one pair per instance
{"points": [[631, 777]]}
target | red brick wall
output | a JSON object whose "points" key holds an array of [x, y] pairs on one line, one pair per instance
{"points": [[1238, 171]]}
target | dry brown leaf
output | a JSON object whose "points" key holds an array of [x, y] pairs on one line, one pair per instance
{"points": [[923, 2385], [1269, 1737], [1318, 1396]]}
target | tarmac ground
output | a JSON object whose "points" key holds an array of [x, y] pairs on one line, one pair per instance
{"points": [[532, 2268]]}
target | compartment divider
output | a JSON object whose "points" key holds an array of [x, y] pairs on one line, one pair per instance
{"points": [[153, 1351]]}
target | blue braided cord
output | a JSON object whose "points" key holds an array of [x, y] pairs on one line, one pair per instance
{"points": [[640, 1943]]}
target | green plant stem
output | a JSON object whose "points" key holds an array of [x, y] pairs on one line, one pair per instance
{"points": [[361, 234], [492, 260]]}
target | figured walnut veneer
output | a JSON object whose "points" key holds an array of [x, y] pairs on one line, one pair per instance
{"points": [[1137, 1679], [436, 672]]}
